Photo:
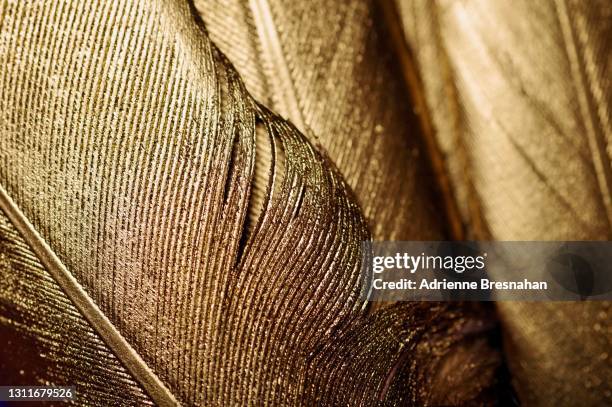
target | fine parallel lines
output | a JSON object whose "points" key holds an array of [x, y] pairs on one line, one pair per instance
{"points": [[271, 45], [123, 282], [595, 132], [149, 190], [156, 389], [149, 179], [169, 251], [38, 294], [143, 125]]}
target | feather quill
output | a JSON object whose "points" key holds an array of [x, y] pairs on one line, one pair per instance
{"points": [[528, 150], [35, 351], [132, 165]]}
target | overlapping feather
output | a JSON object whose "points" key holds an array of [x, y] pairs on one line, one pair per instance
{"points": [[519, 95], [328, 68], [132, 165]]}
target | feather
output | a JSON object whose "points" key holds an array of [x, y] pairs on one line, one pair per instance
{"points": [[328, 69], [145, 264], [34, 350], [526, 85]]}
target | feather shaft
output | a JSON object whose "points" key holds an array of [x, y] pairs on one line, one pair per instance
{"points": [[102, 325], [283, 86]]}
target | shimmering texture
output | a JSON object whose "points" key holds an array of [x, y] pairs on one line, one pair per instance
{"points": [[519, 95], [131, 145], [327, 67], [44, 337]]}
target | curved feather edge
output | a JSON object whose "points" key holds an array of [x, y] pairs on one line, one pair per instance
{"points": [[150, 218], [327, 68]]}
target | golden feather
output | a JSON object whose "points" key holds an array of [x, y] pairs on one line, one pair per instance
{"points": [[327, 68], [169, 237], [518, 94]]}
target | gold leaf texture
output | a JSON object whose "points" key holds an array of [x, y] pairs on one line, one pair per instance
{"points": [[129, 159], [518, 94]]}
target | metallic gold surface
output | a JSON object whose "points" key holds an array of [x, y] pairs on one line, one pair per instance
{"points": [[327, 67], [44, 337], [85, 307], [130, 144], [519, 95]]}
